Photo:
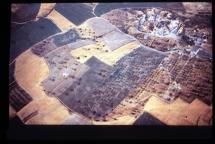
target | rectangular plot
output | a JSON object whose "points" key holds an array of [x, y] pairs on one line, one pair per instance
{"points": [[80, 89], [44, 47], [66, 38], [67, 83], [100, 26], [80, 43], [116, 39], [77, 13], [63, 70]]}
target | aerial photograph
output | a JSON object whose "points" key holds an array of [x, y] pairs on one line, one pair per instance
{"points": [[147, 63]]}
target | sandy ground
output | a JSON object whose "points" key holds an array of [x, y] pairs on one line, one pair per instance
{"points": [[29, 78], [61, 22], [179, 112], [45, 9]]}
